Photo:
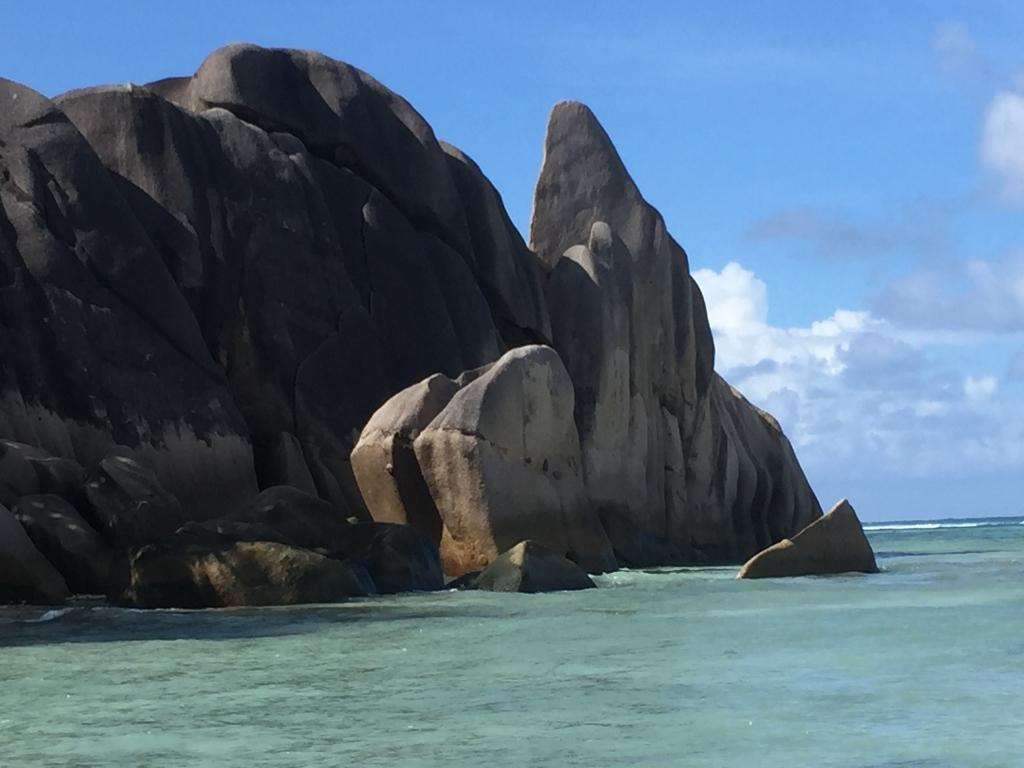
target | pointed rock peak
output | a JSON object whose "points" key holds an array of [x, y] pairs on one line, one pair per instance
{"points": [[583, 180], [573, 126]]}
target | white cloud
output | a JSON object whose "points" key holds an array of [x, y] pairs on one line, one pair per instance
{"points": [[980, 387], [1002, 142], [734, 296], [972, 297], [858, 391], [737, 302]]}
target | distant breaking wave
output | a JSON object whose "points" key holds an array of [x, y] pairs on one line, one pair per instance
{"points": [[931, 526]]}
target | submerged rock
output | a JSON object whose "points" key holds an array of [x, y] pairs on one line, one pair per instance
{"points": [[529, 567], [196, 568], [26, 576], [834, 543]]}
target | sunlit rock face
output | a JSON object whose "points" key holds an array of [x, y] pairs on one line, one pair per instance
{"points": [[222, 278], [680, 466]]}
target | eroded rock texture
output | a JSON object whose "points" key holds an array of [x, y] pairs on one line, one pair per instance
{"points": [[216, 280], [680, 467], [502, 461]]}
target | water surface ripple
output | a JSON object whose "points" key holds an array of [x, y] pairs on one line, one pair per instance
{"points": [[921, 665]]}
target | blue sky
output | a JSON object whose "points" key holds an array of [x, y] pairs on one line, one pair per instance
{"points": [[847, 178]]}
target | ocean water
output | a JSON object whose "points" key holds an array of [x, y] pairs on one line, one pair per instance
{"points": [[919, 666]]}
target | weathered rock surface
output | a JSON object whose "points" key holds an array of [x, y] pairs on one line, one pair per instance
{"points": [[26, 576], [222, 277], [100, 347], [280, 461], [128, 504], [399, 558], [502, 462], [70, 544], [385, 464], [668, 455], [286, 515], [529, 567], [25, 470], [17, 474], [834, 543], [199, 569]]}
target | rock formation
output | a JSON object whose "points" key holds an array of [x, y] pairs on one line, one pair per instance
{"points": [[209, 284], [185, 571], [385, 464], [77, 551], [529, 567], [502, 462], [25, 574], [680, 467], [834, 543]]}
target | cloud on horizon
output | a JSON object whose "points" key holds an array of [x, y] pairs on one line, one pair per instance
{"points": [[1002, 141], [860, 391], [977, 296], [919, 228]]}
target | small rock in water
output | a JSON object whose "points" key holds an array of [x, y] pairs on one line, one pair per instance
{"points": [[834, 543]]}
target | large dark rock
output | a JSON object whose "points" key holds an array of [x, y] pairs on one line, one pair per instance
{"points": [[529, 567], [18, 476], [127, 503], [692, 470], [834, 543], [224, 276], [78, 552], [279, 461], [26, 470], [399, 558], [509, 274], [196, 568], [288, 515], [99, 346], [311, 222], [26, 576]]}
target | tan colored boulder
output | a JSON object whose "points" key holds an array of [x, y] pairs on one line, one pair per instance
{"points": [[385, 464], [25, 575], [502, 462], [529, 567], [834, 543]]}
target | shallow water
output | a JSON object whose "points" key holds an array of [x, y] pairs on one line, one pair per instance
{"points": [[919, 666]]}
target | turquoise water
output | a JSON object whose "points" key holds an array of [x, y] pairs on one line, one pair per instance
{"points": [[921, 665]]}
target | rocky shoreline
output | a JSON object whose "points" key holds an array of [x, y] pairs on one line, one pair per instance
{"points": [[266, 340]]}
